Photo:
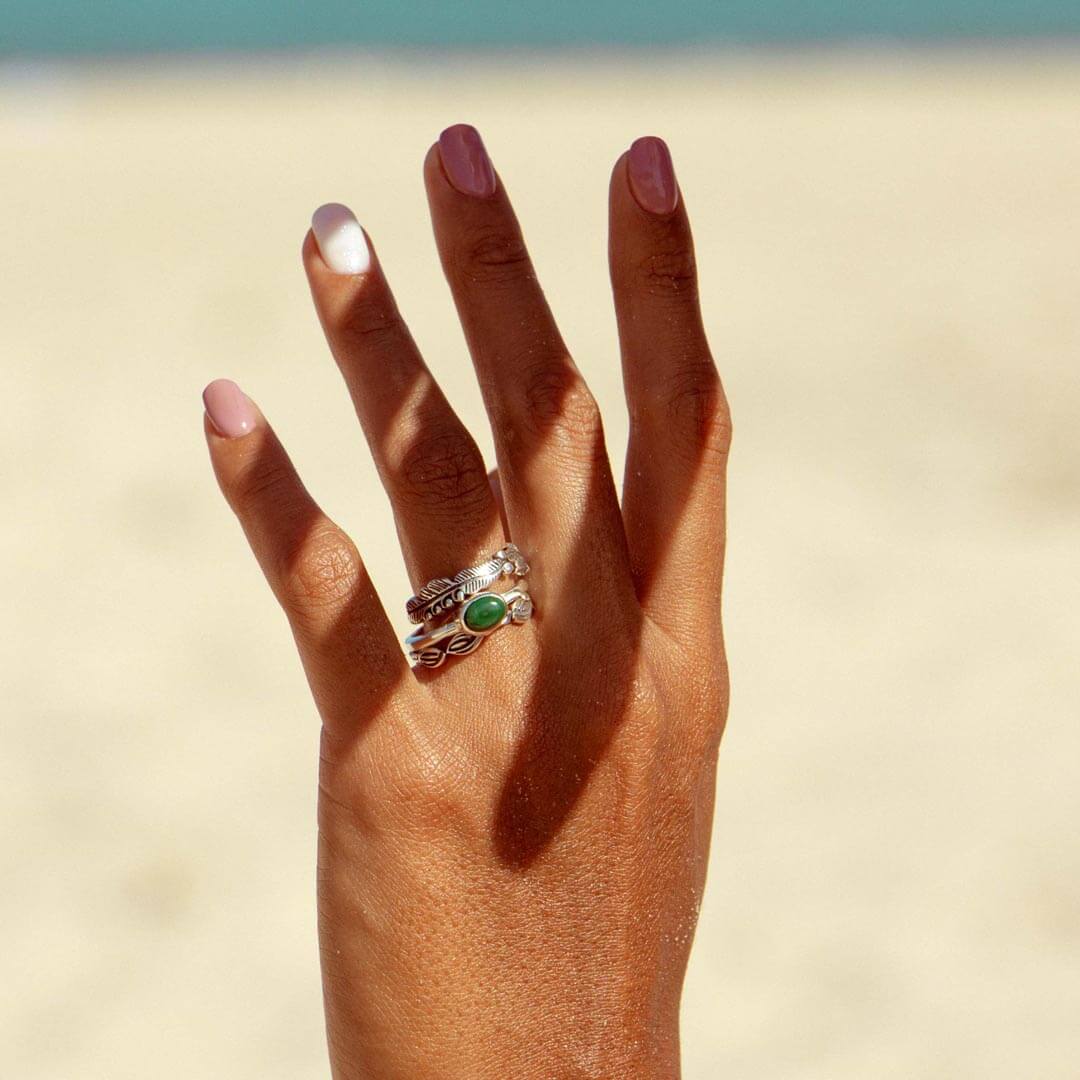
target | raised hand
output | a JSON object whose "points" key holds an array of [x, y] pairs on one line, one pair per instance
{"points": [[512, 844]]}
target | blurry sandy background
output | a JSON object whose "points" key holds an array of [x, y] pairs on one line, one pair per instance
{"points": [[890, 258]]}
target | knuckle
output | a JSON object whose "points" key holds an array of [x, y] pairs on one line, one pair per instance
{"points": [[709, 716], [367, 318], [677, 674], [262, 483], [695, 411], [324, 571], [671, 273], [442, 468], [560, 405], [431, 782], [494, 256]]}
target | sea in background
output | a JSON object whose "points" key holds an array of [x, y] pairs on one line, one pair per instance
{"points": [[74, 26]]}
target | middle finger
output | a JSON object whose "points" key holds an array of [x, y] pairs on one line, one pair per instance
{"points": [[556, 480]]}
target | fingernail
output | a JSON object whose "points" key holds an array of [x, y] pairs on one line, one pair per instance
{"points": [[652, 177], [342, 243], [229, 408], [466, 162]]}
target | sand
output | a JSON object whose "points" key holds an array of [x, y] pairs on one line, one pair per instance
{"points": [[888, 244]]}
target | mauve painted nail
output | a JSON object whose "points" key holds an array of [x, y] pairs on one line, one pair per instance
{"points": [[652, 177], [466, 162], [229, 408]]}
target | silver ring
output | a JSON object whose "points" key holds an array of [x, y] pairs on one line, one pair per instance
{"points": [[442, 594], [482, 615]]}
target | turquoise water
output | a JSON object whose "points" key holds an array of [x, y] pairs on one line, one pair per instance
{"points": [[85, 26]]}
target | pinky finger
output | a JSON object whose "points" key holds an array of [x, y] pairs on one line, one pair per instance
{"points": [[347, 645]]}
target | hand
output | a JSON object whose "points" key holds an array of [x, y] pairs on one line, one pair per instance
{"points": [[512, 847]]}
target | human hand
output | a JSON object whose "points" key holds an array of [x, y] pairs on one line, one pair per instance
{"points": [[512, 848]]}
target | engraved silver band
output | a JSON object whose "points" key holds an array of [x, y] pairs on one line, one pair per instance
{"points": [[482, 615], [443, 594]]}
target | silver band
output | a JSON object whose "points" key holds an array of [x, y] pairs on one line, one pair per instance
{"points": [[484, 613], [442, 594]]}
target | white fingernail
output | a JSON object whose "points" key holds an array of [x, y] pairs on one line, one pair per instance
{"points": [[342, 243]]}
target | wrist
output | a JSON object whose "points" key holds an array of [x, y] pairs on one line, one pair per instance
{"points": [[442, 1017], [590, 1049]]}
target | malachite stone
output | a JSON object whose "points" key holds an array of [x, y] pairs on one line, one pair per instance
{"points": [[484, 612]]}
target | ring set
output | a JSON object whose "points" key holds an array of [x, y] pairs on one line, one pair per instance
{"points": [[477, 610]]}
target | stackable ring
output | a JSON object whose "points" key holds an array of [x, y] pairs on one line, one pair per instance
{"points": [[483, 614], [442, 594]]}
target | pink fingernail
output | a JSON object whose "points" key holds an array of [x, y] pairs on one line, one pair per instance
{"points": [[466, 162], [229, 408], [652, 177]]}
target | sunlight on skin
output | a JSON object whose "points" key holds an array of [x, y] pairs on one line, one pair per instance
{"points": [[511, 859]]}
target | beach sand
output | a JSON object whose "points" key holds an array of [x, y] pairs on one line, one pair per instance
{"points": [[889, 253]]}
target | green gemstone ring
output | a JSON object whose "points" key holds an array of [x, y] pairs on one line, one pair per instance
{"points": [[442, 595], [479, 616]]}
